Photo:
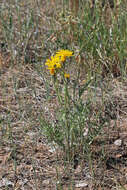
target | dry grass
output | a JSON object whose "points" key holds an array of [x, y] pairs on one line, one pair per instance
{"points": [[27, 161]]}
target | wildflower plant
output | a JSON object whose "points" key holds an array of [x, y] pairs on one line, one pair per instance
{"points": [[73, 116]]}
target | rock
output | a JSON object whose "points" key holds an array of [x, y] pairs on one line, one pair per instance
{"points": [[118, 142], [81, 184]]}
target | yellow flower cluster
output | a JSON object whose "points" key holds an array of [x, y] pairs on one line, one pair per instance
{"points": [[55, 62]]}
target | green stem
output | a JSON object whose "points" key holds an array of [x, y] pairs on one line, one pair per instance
{"points": [[55, 82], [66, 103]]}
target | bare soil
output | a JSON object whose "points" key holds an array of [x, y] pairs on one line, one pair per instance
{"points": [[27, 161]]}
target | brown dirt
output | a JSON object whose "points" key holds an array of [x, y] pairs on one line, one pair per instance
{"points": [[27, 161]]}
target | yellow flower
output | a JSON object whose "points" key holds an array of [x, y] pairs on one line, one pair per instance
{"points": [[66, 75], [55, 62], [66, 53], [52, 71], [48, 62], [55, 59], [63, 58], [58, 65], [63, 54]]}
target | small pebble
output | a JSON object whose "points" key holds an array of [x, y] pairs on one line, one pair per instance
{"points": [[118, 142], [81, 184]]}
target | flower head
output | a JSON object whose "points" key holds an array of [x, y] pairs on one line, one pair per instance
{"points": [[66, 75], [63, 54], [66, 53], [55, 62], [52, 71]]}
